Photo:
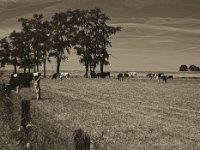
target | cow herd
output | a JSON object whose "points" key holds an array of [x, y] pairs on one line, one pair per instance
{"points": [[159, 76], [22, 80]]}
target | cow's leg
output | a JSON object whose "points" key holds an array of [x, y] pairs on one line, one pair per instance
{"points": [[165, 80], [37, 90], [17, 89]]}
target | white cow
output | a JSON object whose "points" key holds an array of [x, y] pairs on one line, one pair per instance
{"points": [[132, 74], [64, 75]]}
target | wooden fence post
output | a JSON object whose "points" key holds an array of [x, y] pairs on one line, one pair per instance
{"points": [[81, 140], [26, 114], [25, 120]]}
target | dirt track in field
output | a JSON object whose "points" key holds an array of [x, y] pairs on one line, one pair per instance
{"points": [[133, 114]]}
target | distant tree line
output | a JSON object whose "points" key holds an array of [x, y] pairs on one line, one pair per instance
{"points": [[190, 68], [85, 31]]}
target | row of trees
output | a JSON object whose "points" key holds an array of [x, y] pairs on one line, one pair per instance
{"points": [[190, 68], [85, 31]]}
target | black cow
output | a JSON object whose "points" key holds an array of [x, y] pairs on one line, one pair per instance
{"points": [[93, 74], [170, 77], [25, 80], [120, 76], [164, 78], [103, 74], [151, 75], [55, 76], [126, 76], [161, 76]]}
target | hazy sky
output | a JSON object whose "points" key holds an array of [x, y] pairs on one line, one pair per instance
{"points": [[156, 34]]}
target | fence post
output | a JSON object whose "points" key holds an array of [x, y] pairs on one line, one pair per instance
{"points": [[25, 115], [25, 120], [81, 140]]}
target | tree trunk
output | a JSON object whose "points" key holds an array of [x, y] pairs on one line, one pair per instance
{"points": [[86, 70], [38, 67], [58, 65], [44, 67], [101, 67], [15, 68], [29, 68], [37, 61], [34, 67], [15, 65]]}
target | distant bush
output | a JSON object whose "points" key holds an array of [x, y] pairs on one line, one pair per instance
{"points": [[183, 68], [194, 68]]}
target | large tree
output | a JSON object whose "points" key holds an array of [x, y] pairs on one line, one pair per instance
{"points": [[84, 39], [26, 43], [16, 44], [4, 52], [93, 34], [62, 36], [101, 36], [41, 40]]}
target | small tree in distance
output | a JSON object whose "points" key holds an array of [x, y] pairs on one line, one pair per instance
{"points": [[194, 68], [183, 68]]}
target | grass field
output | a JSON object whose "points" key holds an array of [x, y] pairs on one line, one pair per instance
{"points": [[135, 114]]}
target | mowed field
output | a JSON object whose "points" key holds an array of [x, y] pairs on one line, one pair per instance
{"points": [[134, 114]]}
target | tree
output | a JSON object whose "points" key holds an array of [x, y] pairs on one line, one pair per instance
{"points": [[46, 43], [27, 59], [193, 68], [183, 68], [83, 39], [61, 36], [41, 40], [102, 33], [16, 49], [4, 51], [93, 38]]}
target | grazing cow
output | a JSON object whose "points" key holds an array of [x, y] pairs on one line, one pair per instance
{"points": [[120, 76], [170, 77], [60, 75], [164, 78], [55, 76], [126, 75], [64, 75], [160, 76], [151, 75], [103, 74], [93, 74], [25, 80], [133, 74]]}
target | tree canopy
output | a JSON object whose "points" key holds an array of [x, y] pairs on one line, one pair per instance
{"points": [[85, 31]]}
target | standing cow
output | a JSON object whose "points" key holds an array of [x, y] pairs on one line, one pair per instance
{"points": [[133, 74], [55, 76], [103, 74], [60, 75], [64, 75], [25, 80], [120, 76]]}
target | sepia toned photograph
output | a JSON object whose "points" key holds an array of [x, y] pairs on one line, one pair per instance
{"points": [[99, 74]]}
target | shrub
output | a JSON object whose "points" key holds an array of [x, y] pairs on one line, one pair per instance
{"points": [[183, 68]]}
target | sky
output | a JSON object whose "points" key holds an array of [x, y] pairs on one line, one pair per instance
{"points": [[157, 35]]}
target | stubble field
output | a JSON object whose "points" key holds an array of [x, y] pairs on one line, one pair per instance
{"points": [[133, 114]]}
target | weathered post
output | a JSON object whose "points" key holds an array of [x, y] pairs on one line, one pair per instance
{"points": [[25, 115], [81, 140], [25, 122]]}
